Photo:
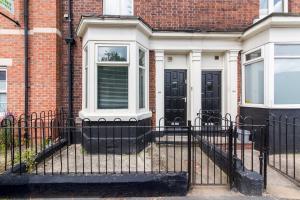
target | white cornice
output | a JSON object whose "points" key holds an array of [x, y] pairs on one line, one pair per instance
{"points": [[86, 22], [262, 25], [272, 22], [108, 22]]}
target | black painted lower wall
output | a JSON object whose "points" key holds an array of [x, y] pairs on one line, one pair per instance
{"points": [[246, 181], [282, 138], [113, 185], [118, 137]]}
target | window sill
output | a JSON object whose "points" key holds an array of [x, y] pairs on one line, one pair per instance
{"points": [[95, 116]]}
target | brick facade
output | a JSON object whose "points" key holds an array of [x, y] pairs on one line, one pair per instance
{"points": [[44, 55], [48, 51]]}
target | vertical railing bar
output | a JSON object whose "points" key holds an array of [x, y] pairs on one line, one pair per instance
{"points": [[189, 154], [294, 147], [82, 143], [91, 149], [174, 150], [286, 146]]}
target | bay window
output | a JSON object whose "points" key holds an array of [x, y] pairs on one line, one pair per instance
{"points": [[254, 78], [118, 7], [3, 90], [112, 81], [286, 74]]}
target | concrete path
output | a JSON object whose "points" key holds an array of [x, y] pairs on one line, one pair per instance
{"points": [[281, 187]]}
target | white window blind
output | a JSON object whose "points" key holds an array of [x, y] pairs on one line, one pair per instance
{"points": [[112, 87]]}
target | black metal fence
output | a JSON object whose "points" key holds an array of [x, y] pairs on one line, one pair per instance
{"points": [[209, 151], [53, 144], [284, 145]]}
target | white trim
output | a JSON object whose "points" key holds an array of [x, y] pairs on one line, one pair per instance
{"points": [[113, 22], [272, 22], [6, 62], [112, 116], [33, 31], [159, 86]]}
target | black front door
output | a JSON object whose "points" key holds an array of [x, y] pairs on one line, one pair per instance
{"points": [[211, 93], [175, 97]]}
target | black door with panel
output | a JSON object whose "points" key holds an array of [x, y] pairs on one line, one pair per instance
{"points": [[175, 97], [211, 94]]}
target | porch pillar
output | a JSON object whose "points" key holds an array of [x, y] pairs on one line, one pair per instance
{"points": [[232, 80], [159, 85], [195, 82]]}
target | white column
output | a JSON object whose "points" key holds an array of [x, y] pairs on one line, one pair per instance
{"points": [[195, 83], [159, 83], [232, 80]]}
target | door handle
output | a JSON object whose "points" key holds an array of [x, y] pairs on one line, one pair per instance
{"points": [[184, 98]]}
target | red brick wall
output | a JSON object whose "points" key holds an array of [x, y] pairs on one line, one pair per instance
{"points": [[152, 87], [204, 15], [80, 7], [294, 6], [44, 56]]}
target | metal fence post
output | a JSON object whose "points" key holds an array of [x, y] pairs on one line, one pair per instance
{"points": [[230, 155], [266, 153], [189, 153]]}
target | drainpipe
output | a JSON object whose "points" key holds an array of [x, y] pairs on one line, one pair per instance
{"points": [[26, 67], [26, 59], [70, 42]]}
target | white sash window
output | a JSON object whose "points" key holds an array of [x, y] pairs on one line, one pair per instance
{"points": [[267, 7], [118, 7], [3, 91]]}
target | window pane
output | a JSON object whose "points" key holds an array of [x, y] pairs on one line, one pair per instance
{"points": [[3, 102], [254, 83], [278, 5], [142, 88], [2, 80], [287, 50], [126, 7], [112, 54], [118, 7], [253, 55], [86, 87], [112, 87], [86, 51], [263, 10], [112, 7], [287, 81], [141, 58]]}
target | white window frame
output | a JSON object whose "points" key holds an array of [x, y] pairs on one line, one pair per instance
{"points": [[86, 74], [3, 68], [111, 64], [120, 9], [245, 63], [272, 85], [145, 79], [271, 7]]}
